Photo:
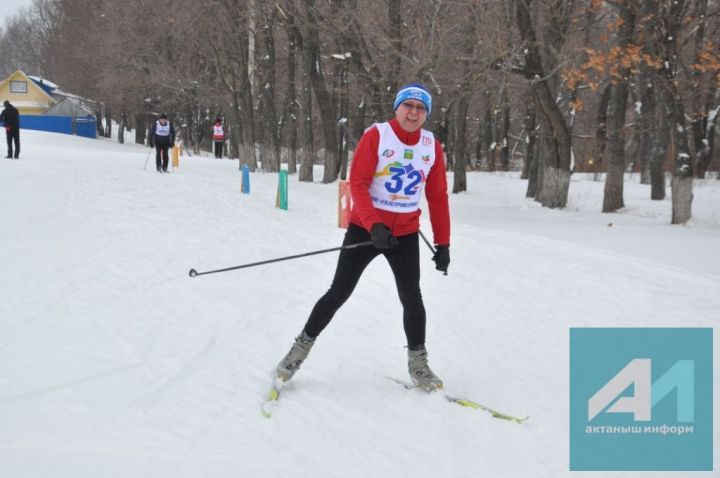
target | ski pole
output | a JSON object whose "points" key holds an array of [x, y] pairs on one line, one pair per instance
{"points": [[432, 249], [194, 273], [147, 159]]}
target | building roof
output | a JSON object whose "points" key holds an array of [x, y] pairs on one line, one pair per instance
{"points": [[47, 86], [70, 107], [19, 75], [38, 79]]}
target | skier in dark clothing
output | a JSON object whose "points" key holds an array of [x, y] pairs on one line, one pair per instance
{"points": [[11, 118], [162, 137]]}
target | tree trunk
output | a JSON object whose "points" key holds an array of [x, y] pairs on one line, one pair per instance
{"points": [[675, 113], [459, 169], [647, 125], [555, 181], [654, 129], [682, 196], [504, 131], [245, 84], [478, 148], [121, 128], [705, 155], [601, 132], [99, 122], [308, 149], [358, 124], [530, 125], [344, 140], [326, 108], [108, 123], [533, 167], [267, 92], [251, 41], [445, 135], [463, 95], [660, 146], [487, 135], [699, 123], [395, 23], [712, 125], [537, 164], [613, 194], [613, 197], [140, 128], [291, 100]]}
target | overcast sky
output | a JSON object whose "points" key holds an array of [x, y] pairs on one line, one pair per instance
{"points": [[10, 8]]}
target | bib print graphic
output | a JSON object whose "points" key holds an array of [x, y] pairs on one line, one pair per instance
{"points": [[398, 183]]}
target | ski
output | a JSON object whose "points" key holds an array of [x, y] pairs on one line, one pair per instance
{"points": [[463, 402], [270, 403]]}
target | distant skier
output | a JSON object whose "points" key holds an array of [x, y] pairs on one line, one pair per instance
{"points": [[392, 164], [218, 137], [162, 137], [11, 118]]}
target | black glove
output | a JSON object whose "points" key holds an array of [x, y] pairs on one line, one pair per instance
{"points": [[442, 258], [382, 237]]}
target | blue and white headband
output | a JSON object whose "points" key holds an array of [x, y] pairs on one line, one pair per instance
{"points": [[413, 91]]}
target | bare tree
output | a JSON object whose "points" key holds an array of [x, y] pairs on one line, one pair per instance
{"points": [[555, 180], [310, 75], [674, 111], [462, 95], [613, 197]]}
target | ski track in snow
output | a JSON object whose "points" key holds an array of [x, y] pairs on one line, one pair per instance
{"points": [[116, 363]]}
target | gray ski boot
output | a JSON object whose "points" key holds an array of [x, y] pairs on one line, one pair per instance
{"points": [[295, 357], [420, 373]]}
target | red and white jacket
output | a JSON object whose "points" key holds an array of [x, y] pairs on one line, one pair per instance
{"points": [[218, 133], [373, 170]]}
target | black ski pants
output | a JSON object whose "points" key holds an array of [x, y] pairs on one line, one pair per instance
{"points": [[404, 261], [161, 156], [218, 148], [13, 136]]}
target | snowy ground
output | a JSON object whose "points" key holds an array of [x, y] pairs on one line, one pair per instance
{"points": [[114, 363]]}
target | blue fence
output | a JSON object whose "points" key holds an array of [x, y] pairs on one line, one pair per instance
{"points": [[86, 126], [81, 125]]}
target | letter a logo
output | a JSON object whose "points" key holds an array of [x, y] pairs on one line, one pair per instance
{"points": [[637, 372]]}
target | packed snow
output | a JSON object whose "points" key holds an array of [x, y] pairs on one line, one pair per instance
{"points": [[115, 363]]}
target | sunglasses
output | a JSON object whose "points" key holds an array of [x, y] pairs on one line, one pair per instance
{"points": [[410, 106]]}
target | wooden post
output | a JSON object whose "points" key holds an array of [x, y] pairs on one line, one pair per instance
{"points": [[344, 204], [176, 156]]}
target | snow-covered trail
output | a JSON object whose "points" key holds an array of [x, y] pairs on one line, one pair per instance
{"points": [[115, 363]]}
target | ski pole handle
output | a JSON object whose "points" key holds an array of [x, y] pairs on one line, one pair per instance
{"points": [[432, 249], [194, 273]]}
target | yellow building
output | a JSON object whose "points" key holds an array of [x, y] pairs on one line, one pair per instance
{"points": [[25, 94]]}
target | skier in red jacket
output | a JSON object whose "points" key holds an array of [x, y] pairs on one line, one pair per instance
{"points": [[393, 163], [218, 137]]}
